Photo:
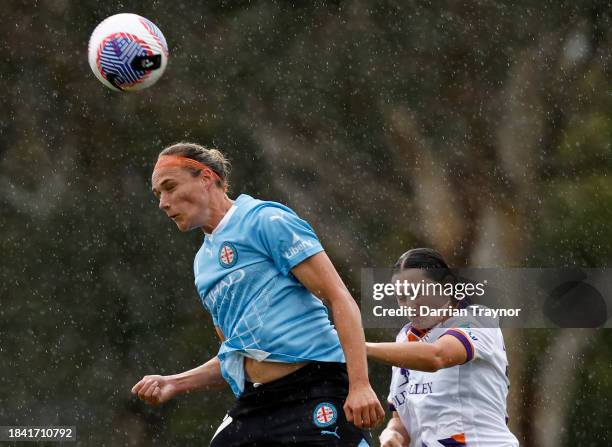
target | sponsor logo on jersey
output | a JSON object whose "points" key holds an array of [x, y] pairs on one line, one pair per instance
{"points": [[472, 336], [223, 286], [415, 388], [325, 414], [228, 255], [297, 246], [406, 374]]}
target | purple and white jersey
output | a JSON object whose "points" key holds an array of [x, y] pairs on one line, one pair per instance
{"points": [[464, 405]]}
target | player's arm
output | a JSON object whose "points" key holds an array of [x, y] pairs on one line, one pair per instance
{"points": [[395, 434], [156, 389], [445, 352], [319, 276]]}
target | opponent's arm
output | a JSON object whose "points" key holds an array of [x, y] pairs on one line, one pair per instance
{"points": [[319, 276], [445, 352], [156, 389], [395, 434]]}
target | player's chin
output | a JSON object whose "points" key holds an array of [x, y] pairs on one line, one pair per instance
{"points": [[422, 323], [182, 225]]}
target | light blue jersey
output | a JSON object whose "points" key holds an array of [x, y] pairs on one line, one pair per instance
{"points": [[243, 275]]}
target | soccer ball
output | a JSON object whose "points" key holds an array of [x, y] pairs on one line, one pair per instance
{"points": [[127, 52]]}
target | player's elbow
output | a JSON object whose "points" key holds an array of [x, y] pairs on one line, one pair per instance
{"points": [[436, 361]]}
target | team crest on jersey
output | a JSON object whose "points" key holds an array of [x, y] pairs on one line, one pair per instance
{"points": [[325, 414], [228, 255]]}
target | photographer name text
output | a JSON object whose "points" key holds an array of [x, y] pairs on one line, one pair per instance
{"points": [[426, 311]]}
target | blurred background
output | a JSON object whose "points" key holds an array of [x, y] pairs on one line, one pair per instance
{"points": [[480, 128]]}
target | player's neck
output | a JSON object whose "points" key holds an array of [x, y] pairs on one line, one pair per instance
{"points": [[217, 209]]}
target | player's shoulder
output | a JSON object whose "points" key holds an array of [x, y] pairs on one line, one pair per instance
{"points": [[472, 324], [402, 334], [267, 210], [472, 316]]}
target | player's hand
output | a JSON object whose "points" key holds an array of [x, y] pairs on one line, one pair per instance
{"points": [[362, 407], [391, 438], [154, 390]]}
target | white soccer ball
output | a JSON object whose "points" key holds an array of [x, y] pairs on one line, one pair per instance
{"points": [[127, 52]]}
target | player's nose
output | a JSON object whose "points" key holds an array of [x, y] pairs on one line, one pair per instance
{"points": [[163, 203]]}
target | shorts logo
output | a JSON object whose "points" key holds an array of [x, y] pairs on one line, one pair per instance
{"points": [[228, 255], [325, 415]]}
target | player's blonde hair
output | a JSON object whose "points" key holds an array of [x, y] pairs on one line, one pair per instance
{"points": [[213, 158]]}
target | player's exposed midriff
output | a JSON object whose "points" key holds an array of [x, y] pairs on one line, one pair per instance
{"points": [[264, 372]]}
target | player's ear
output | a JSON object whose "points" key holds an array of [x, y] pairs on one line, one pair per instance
{"points": [[207, 178]]}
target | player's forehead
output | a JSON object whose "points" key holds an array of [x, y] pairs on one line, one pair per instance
{"points": [[164, 175]]}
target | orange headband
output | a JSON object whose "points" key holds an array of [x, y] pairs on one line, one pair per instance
{"points": [[177, 161]]}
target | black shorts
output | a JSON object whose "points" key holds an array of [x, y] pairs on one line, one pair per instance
{"points": [[303, 408]]}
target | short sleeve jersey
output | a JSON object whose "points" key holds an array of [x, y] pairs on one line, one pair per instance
{"points": [[243, 276], [464, 405]]}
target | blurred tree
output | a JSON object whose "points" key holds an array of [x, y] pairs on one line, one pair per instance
{"points": [[480, 128]]}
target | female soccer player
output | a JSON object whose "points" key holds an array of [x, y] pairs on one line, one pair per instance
{"points": [[258, 272], [449, 382]]}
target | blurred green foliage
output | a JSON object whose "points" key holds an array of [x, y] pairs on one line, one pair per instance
{"points": [[97, 287]]}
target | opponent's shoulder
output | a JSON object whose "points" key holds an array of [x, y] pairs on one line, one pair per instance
{"points": [[474, 325], [471, 316], [402, 335]]}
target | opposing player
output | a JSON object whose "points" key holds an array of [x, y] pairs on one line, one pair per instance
{"points": [[449, 382], [259, 272]]}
